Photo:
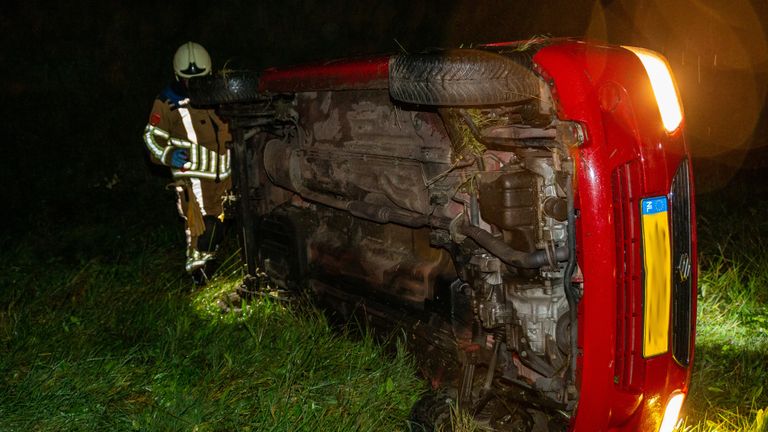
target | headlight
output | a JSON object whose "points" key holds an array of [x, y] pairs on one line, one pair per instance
{"points": [[672, 412], [663, 87]]}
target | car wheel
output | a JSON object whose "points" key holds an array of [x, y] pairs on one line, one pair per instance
{"points": [[460, 77], [225, 88], [432, 412]]}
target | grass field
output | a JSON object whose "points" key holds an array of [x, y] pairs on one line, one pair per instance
{"points": [[122, 343], [99, 330], [729, 389]]}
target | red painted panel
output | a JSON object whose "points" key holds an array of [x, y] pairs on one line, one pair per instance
{"points": [[354, 74], [607, 90]]}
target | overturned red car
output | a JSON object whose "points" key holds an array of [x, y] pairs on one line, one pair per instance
{"points": [[524, 211]]}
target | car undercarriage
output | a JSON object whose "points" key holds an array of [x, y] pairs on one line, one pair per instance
{"points": [[438, 197]]}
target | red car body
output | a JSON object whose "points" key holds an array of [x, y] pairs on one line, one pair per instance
{"points": [[624, 156], [620, 132]]}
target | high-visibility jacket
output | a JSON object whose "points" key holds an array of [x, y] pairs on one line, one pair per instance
{"points": [[174, 124]]}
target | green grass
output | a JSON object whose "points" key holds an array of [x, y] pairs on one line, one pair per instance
{"points": [[120, 341], [729, 389], [100, 330]]}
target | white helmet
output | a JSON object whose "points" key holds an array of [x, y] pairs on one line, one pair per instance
{"points": [[191, 60]]}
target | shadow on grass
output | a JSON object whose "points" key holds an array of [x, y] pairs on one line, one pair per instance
{"points": [[731, 366], [122, 342]]}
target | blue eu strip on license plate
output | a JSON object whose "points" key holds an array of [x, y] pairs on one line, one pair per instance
{"points": [[657, 284]]}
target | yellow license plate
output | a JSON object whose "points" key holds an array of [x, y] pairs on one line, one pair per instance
{"points": [[657, 275]]}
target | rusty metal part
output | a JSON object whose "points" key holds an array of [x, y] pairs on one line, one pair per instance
{"points": [[284, 166], [551, 136], [468, 375], [492, 365], [359, 147], [518, 133], [515, 258]]}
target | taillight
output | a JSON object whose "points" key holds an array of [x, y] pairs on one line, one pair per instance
{"points": [[672, 412], [663, 87]]}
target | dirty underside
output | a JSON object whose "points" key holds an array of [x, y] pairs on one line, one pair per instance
{"points": [[449, 223]]}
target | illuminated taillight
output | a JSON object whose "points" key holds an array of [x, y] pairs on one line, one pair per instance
{"points": [[672, 412], [663, 87]]}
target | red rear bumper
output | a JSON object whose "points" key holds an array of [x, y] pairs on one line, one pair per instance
{"points": [[627, 156]]}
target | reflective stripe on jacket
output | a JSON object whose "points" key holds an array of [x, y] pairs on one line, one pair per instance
{"points": [[174, 124]]}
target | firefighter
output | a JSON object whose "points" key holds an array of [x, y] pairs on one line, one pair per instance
{"points": [[192, 141]]}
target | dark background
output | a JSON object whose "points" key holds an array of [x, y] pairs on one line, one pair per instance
{"points": [[78, 79]]}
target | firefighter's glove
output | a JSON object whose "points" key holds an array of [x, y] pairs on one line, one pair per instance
{"points": [[179, 157]]}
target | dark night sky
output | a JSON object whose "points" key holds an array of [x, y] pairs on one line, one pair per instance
{"points": [[78, 78]]}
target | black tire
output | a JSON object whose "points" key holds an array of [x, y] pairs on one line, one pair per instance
{"points": [[431, 412], [225, 88], [460, 77]]}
